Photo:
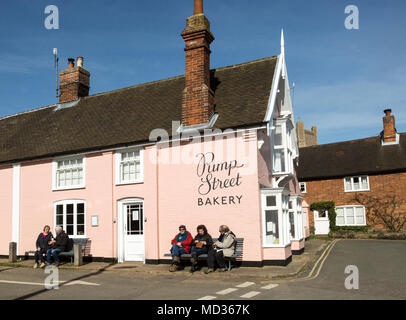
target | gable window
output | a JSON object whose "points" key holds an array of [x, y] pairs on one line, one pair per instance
{"points": [[70, 215], [360, 183], [69, 173], [130, 166], [350, 216], [302, 186]]}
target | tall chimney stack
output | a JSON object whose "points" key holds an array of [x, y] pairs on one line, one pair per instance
{"points": [[74, 81], [389, 130], [198, 98]]}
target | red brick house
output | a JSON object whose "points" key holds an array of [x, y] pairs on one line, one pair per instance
{"points": [[366, 179]]}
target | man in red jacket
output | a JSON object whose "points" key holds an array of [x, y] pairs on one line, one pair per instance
{"points": [[181, 244]]}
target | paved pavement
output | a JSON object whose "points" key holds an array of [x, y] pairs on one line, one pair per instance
{"points": [[381, 276]]}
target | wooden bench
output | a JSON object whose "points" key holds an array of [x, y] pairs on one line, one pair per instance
{"points": [[71, 254], [237, 254]]}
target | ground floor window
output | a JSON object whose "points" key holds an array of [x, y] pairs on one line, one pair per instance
{"points": [[70, 215], [275, 215], [350, 216]]}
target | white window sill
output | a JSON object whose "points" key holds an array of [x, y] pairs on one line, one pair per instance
{"points": [[77, 237], [276, 245], [351, 225], [363, 190], [129, 182], [69, 188]]}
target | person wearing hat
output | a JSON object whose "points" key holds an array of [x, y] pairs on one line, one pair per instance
{"points": [[181, 244]]}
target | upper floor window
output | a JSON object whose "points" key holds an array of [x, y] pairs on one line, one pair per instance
{"points": [[69, 173], [302, 186], [282, 147], [350, 216], [360, 183], [70, 215], [130, 166]]}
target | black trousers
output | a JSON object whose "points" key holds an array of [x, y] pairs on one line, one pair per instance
{"points": [[39, 255], [215, 256]]}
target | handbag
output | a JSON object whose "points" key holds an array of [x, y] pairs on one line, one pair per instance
{"points": [[199, 245]]}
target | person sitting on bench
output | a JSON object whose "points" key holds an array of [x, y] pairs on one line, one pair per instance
{"points": [[42, 246], [58, 245], [223, 247], [181, 244], [201, 245]]}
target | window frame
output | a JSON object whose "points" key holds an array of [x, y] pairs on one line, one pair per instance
{"points": [[352, 184], [118, 161], [345, 216], [286, 145], [282, 207], [55, 161], [75, 202]]}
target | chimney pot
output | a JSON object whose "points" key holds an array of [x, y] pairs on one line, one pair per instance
{"points": [[198, 7], [71, 63], [388, 112], [79, 62]]}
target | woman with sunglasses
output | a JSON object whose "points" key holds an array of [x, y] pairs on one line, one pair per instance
{"points": [[181, 244]]}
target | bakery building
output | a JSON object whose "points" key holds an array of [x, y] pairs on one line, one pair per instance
{"points": [[125, 168]]}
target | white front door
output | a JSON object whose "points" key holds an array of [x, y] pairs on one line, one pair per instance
{"points": [[321, 222], [134, 240]]}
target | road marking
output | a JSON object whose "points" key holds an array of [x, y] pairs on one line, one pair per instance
{"points": [[250, 294], [67, 283], [270, 286], [245, 284], [81, 282], [318, 266], [226, 291], [207, 298]]}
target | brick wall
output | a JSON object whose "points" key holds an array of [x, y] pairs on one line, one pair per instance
{"points": [[333, 189]]}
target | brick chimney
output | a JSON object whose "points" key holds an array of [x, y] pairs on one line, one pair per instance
{"points": [[198, 98], [389, 130], [74, 81]]}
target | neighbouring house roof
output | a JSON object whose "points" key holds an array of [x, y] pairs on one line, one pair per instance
{"points": [[349, 158], [128, 115]]}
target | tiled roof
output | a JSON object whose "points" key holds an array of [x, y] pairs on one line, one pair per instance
{"points": [[348, 158], [128, 115]]}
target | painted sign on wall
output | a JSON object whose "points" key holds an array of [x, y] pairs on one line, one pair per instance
{"points": [[216, 176]]}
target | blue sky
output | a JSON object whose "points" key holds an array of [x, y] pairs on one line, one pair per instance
{"points": [[344, 78]]}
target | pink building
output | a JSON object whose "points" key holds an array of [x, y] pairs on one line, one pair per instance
{"points": [[125, 168]]}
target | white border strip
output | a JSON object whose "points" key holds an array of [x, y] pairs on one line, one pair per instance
{"points": [[15, 233]]}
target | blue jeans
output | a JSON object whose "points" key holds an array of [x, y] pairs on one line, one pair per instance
{"points": [[54, 253], [177, 251], [198, 251]]}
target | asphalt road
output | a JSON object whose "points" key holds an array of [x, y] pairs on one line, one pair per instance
{"points": [[381, 265]]}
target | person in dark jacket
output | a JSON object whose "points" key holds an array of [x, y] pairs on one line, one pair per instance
{"points": [[42, 246], [181, 244], [58, 245], [201, 244]]}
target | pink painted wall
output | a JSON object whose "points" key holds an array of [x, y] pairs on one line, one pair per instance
{"points": [[178, 196], [277, 253], [297, 245], [6, 207]]}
